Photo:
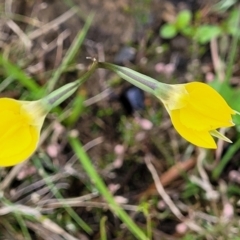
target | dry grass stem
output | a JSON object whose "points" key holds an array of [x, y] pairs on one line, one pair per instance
{"points": [[161, 190], [22, 36], [53, 24]]}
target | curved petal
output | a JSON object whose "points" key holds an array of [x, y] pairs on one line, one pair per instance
{"points": [[199, 121], [10, 104], [209, 102], [19, 131], [174, 97], [8, 118], [21, 145], [199, 138]]}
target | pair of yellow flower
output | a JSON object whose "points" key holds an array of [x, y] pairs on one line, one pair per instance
{"points": [[196, 111]]}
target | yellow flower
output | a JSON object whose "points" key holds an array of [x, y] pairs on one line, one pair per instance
{"points": [[20, 125], [196, 111], [21, 121]]}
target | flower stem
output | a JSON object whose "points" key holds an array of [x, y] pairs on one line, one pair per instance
{"points": [[139, 80], [61, 94]]}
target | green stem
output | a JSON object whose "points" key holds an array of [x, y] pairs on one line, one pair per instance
{"points": [[167, 93], [233, 50], [71, 53], [139, 80], [97, 180], [58, 96]]}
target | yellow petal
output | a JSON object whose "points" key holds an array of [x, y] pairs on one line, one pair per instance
{"points": [[19, 146], [200, 121], [173, 96], [19, 130], [34, 111], [198, 138], [10, 105], [219, 135], [7, 118], [209, 102]]}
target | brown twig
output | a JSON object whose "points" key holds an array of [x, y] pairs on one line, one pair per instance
{"points": [[160, 189], [169, 176]]}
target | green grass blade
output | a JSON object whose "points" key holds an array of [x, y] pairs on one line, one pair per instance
{"points": [[4, 84], [59, 196], [97, 180], [19, 219], [23, 226], [225, 159], [103, 232], [233, 50], [15, 72], [71, 53], [77, 107]]}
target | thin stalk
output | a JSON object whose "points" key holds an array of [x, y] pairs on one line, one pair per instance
{"points": [[71, 53], [97, 180], [233, 50], [59, 196], [19, 219], [58, 96], [139, 80]]}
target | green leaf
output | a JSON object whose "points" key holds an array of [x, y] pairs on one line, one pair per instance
{"points": [[188, 31], [231, 95], [18, 74], [232, 22], [168, 31], [224, 5], [233, 148], [207, 32], [183, 19]]}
